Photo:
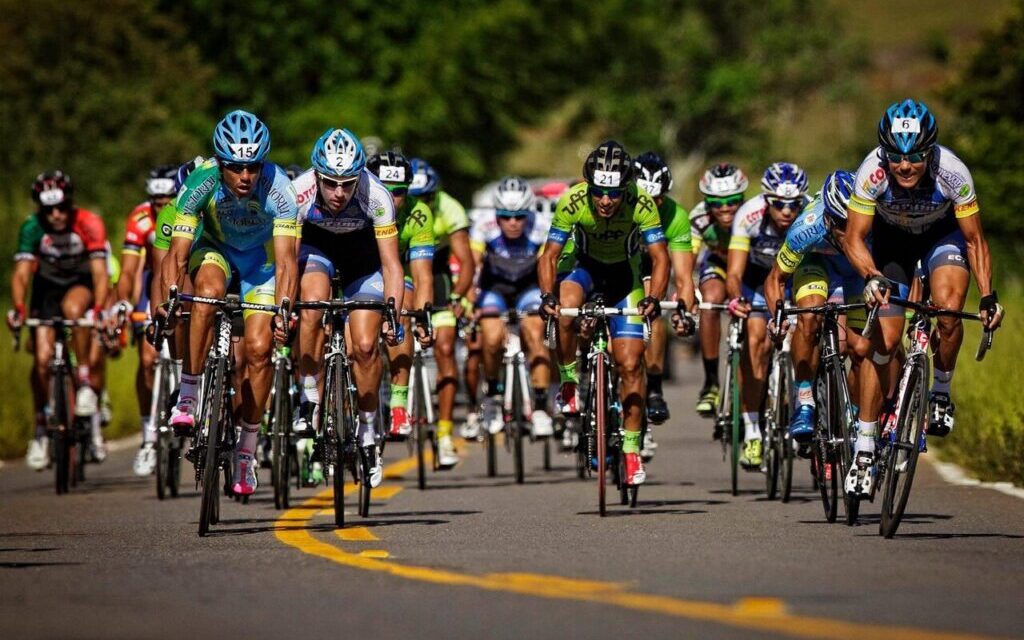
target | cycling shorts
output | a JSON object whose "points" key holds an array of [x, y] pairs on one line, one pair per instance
{"points": [[254, 268], [621, 287], [897, 253], [500, 299], [756, 298], [832, 278], [710, 266], [363, 286], [47, 295]]}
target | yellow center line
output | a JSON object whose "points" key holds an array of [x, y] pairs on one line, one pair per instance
{"points": [[761, 614]]}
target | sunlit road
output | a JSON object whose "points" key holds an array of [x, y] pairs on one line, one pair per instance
{"points": [[482, 557]]}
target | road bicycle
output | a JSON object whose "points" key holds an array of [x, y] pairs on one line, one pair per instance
{"points": [[420, 401]]}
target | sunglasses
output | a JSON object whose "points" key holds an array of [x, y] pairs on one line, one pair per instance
{"points": [[63, 208], [600, 192], [512, 215], [897, 158], [727, 201], [337, 184], [240, 167], [780, 204]]}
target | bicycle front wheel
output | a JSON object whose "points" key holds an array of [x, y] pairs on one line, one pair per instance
{"points": [[209, 509], [903, 453], [518, 429], [599, 409], [825, 450], [736, 415]]}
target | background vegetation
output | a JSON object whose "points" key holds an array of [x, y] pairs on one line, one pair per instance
{"points": [[107, 89]]}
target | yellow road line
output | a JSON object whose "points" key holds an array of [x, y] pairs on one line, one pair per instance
{"points": [[375, 553], [385, 492], [757, 614], [355, 534]]}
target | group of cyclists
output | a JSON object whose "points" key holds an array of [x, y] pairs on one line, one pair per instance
{"points": [[380, 228]]}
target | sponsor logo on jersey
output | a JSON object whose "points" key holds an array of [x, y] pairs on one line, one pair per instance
{"points": [[608, 235], [307, 194], [955, 181], [166, 229], [576, 198], [195, 196], [389, 231], [964, 191]]}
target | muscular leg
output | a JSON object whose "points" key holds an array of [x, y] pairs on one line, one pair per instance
{"points": [[74, 305], [447, 372], [472, 369], [210, 281], [948, 290], [712, 291], [493, 342], [39, 376], [628, 354], [537, 351], [367, 366], [754, 364], [571, 295]]}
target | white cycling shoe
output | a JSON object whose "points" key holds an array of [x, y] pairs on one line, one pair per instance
{"points": [[245, 475], [145, 460], [86, 401], [541, 424], [861, 477], [446, 456], [649, 447], [38, 455], [471, 429], [491, 416], [98, 449]]}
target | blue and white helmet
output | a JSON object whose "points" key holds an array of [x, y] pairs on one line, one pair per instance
{"points": [[907, 127], [513, 195], [784, 180], [185, 170], [241, 137], [338, 154], [424, 179], [835, 195]]}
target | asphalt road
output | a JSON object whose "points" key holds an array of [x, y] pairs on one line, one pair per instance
{"points": [[482, 557]]}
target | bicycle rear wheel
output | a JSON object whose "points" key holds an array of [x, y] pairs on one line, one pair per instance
{"points": [[782, 424], [736, 415], [600, 380], [518, 429], [280, 434], [59, 427], [772, 437], [419, 420], [333, 428], [824, 449], [903, 453], [209, 509]]}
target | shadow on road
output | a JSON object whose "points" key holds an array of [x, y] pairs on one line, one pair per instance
{"points": [[31, 565], [949, 536]]}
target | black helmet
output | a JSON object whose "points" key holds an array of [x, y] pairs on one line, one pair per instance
{"points": [[392, 168], [161, 181], [53, 188], [608, 166], [293, 171], [653, 174]]}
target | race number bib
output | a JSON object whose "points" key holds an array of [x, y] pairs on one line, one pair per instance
{"points": [[906, 125]]}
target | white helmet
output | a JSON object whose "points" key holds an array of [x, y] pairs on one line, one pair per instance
{"points": [[723, 179], [513, 194]]}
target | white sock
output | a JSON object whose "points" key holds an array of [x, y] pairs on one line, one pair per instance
{"points": [[367, 434], [247, 440], [805, 393], [941, 380], [311, 388], [97, 428], [189, 392], [751, 427], [148, 430], [866, 432]]}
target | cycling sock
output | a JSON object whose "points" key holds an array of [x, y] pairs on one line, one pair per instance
{"points": [[631, 442], [247, 439], [941, 380], [866, 432], [710, 372], [495, 388], [804, 393], [751, 428], [567, 373], [540, 398], [654, 383], [444, 428], [367, 434], [399, 396], [189, 388], [83, 374], [311, 388], [148, 430]]}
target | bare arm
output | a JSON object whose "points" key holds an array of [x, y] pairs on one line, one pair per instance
{"points": [[857, 229], [659, 269], [464, 254], [391, 265], [422, 281], [682, 273], [737, 264], [977, 252], [20, 280], [129, 266], [100, 281], [172, 267], [774, 287], [156, 282], [285, 268], [547, 267]]}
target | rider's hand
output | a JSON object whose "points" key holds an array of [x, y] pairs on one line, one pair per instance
{"points": [[16, 317], [876, 291], [776, 332], [395, 337], [649, 307], [739, 307], [683, 324], [991, 311], [424, 337], [549, 306], [282, 329], [457, 304]]}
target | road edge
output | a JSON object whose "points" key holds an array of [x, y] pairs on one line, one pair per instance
{"points": [[954, 474]]}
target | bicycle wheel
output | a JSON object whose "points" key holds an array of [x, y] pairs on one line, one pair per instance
{"points": [[332, 427], [280, 434], [842, 430], [418, 416], [518, 428], [83, 438], [782, 424], [209, 510], [736, 415], [547, 454], [59, 426], [824, 449], [600, 378], [903, 453], [772, 436], [174, 468]]}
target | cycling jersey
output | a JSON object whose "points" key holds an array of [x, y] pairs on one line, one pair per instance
{"points": [[606, 240], [449, 218], [754, 233], [676, 224], [705, 233], [511, 262], [140, 231], [946, 187], [809, 233], [229, 221], [415, 230], [348, 239], [485, 227], [63, 258]]}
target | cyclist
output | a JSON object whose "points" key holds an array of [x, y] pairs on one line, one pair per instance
{"points": [[711, 220], [62, 256], [416, 249], [757, 234], [608, 215], [139, 235], [927, 211], [451, 237], [506, 259], [654, 176], [348, 233], [248, 209], [813, 255]]}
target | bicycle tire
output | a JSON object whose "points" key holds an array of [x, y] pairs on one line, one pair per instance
{"points": [[280, 447], [161, 445], [773, 443], [736, 415], [83, 438], [788, 452], [547, 454], [332, 427], [174, 471], [600, 379], [909, 427], [828, 480], [209, 509], [842, 431], [518, 429]]}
